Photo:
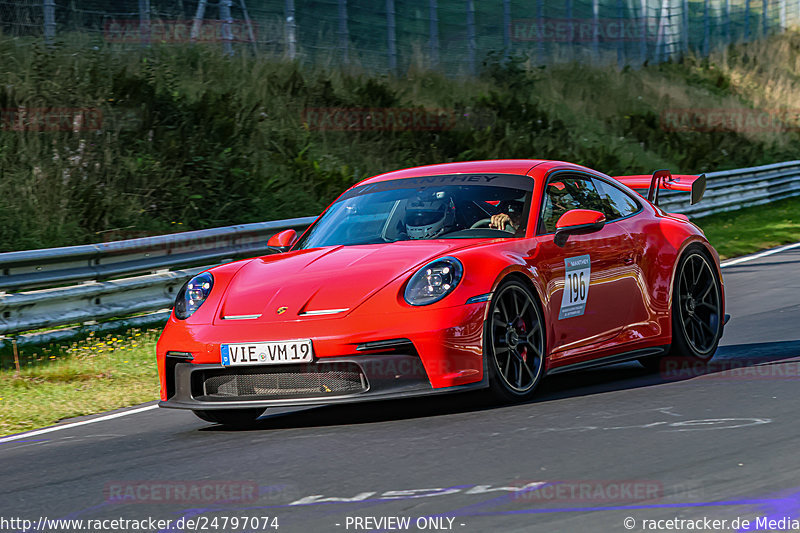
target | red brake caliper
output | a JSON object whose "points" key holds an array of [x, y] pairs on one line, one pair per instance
{"points": [[520, 325]]}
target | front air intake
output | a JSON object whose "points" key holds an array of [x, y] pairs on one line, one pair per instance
{"points": [[259, 383]]}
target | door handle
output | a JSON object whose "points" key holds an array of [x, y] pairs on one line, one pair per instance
{"points": [[628, 260]]}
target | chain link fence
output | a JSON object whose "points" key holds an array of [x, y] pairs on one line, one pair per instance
{"points": [[453, 36]]}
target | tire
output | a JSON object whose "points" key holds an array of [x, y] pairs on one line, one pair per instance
{"points": [[697, 320], [514, 343], [235, 418]]}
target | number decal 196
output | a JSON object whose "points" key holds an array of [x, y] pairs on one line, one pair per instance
{"points": [[577, 272]]}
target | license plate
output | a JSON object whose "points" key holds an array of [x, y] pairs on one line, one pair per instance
{"points": [[267, 353]]}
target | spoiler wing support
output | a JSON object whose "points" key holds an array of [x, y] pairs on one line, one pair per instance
{"points": [[665, 180]]}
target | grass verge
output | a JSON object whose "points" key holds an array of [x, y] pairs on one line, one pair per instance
{"points": [[252, 138], [91, 376], [752, 229]]}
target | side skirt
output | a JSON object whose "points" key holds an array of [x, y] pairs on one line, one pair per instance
{"points": [[612, 359]]}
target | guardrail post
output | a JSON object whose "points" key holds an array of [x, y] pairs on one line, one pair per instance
{"points": [[144, 22], [506, 28], [669, 37], [595, 28], [658, 52], [49, 7], [747, 20], [643, 40], [291, 31], [16, 355], [391, 36], [706, 29], [471, 44], [685, 26], [433, 15], [227, 22], [620, 40], [344, 35], [783, 14], [250, 33], [727, 22], [198, 20], [540, 22]]}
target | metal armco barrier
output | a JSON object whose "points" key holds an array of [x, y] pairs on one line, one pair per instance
{"points": [[734, 189], [104, 282], [25, 311], [91, 262], [113, 281]]}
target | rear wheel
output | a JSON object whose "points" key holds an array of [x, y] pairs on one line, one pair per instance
{"points": [[696, 310], [237, 418], [514, 342]]}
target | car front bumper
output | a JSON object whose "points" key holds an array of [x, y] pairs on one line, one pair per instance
{"points": [[444, 347], [326, 381]]}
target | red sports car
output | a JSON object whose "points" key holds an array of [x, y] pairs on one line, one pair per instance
{"points": [[445, 278]]}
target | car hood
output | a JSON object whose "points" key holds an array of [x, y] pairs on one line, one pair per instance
{"points": [[323, 279]]}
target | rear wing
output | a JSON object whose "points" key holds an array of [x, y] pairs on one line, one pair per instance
{"points": [[665, 180]]}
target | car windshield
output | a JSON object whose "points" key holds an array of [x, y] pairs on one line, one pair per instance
{"points": [[456, 206]]}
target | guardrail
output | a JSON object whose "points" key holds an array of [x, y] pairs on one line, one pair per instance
{"points": [[148, 286], [99, 301], [92, 262], [729, 190]]}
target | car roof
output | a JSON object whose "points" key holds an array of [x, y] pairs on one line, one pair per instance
{"points": [[520, 167]]}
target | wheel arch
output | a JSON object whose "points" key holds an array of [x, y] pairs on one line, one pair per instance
{"points": [[704, 247], [525, 276], [701, 245]]}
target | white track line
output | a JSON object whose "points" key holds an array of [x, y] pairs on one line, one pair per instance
{"points": [[76, 424], [759, 255]]}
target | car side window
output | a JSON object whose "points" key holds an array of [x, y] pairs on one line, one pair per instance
{"points": [[616, 202], [564, 193]]}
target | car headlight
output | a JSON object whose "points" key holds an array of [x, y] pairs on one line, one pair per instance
{"points": [[192, 295], [434, 281]]}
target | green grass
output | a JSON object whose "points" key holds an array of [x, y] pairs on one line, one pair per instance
{"points": [[752, 229], [91, 376], [192, 139]]}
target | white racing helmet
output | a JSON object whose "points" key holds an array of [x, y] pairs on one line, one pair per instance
{"points": [[430, 217]]}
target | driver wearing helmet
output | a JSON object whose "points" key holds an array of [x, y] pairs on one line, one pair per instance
{"points": [[430, 217]]}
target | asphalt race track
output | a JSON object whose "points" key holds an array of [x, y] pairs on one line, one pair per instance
{"points": [[595, 448]]}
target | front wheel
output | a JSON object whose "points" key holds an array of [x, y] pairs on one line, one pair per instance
{"points": [[514, 342], [235, 418]]}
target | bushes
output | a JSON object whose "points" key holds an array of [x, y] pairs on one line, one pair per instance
{"points": [[191, 139]]}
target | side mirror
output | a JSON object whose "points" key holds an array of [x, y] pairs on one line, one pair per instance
{"points": [[578, 222], [281, 242]]}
